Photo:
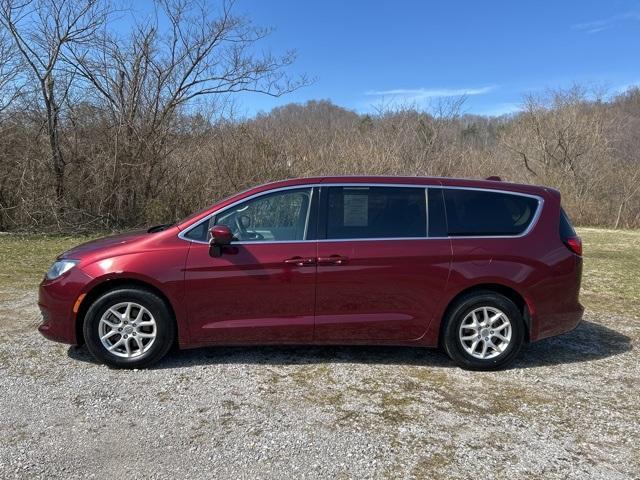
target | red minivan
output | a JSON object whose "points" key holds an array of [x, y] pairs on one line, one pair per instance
{"points": [[475, 267]]}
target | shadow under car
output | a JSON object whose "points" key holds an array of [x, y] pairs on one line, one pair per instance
{"points": [[589, 341]]}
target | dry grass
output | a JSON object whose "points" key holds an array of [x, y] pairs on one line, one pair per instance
{"points": [[611, 278], [26, 258]]}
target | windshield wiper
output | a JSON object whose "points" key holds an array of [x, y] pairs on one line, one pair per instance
{"points": [[159, 228]]}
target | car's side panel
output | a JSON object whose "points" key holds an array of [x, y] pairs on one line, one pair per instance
{"points": [[250, 295], [385, 291]]}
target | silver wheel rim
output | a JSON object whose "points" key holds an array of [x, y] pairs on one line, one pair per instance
{"points": [[485, 332], [127, 329]]}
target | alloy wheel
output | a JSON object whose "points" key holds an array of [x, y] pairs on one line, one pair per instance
{"points": [[485, 332], [127, 329]]}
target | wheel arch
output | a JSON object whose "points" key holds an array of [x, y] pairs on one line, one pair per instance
{"points": [[512, 294], [108, 285]]}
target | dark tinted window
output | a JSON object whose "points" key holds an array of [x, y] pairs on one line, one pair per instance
{"points": [[484, 213], [376, 212], [199, 233], [566, 229]]}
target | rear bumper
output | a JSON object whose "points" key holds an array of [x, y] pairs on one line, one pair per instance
{"points": [[56, 299], [555, 301], [558, 323]]}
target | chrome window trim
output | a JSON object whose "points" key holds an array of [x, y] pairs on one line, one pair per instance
{"points": [[426, 188], [426, 210], [306, 221], [377, 239]]}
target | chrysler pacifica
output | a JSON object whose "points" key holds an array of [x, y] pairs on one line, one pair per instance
{"points": [[475, 267]]}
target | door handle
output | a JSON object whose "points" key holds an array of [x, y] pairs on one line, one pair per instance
{"points": [[333, 260], [300, 261]]}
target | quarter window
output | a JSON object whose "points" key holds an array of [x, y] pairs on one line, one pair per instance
{"points": [[484, 213], [199, 232], [279, 216], [566, 228], [376, 212]]}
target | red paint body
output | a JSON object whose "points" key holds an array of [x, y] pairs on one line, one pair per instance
{"points": [[393, 292]]}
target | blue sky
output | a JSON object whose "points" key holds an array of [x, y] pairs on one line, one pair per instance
{"points": [[363, 53]]}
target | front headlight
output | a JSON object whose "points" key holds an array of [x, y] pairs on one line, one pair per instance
{"points": [[59, 267]]}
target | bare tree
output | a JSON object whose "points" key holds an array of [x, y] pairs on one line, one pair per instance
{"points": [[630, 186], [184, 53], [10, 69], [188, 51], [562, 140], [42, 30]]}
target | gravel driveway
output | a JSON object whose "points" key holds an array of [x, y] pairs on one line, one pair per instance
{"points": [[569, 408]]}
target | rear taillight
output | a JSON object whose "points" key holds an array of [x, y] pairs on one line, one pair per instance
{"points": [[574, 244]]}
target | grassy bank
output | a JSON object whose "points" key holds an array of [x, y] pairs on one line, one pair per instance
{"points": [[611, 277], [25, 258]]}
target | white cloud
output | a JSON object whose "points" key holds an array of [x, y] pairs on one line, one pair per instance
{"points": [[419, 94], [606, 23]]}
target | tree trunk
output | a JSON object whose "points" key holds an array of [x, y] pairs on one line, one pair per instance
{"points": [[619, 215], [54, 142]]}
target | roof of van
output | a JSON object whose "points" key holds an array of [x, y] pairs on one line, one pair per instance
{"points": [[404, 180]]}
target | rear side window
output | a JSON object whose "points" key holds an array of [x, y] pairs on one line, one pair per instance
{"points": [[485, 213], [376, 212]]}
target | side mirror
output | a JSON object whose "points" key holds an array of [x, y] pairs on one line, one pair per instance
{"points": [[219, 236]]}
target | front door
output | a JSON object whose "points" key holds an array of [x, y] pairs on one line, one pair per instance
{"points": [[262, 288], [379, 276]]}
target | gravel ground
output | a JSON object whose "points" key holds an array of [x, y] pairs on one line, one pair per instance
{"points": [[568, 409]]}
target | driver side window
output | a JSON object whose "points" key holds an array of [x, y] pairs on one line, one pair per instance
{"points": [[279, 216]]}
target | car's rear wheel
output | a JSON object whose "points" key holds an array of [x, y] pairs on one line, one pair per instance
{"points": [[129, 328], [483, 331]]}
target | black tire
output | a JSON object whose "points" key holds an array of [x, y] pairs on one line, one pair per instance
{"points": [[463, 307], [164, 324]]}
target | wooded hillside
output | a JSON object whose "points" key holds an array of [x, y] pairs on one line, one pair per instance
{"points": [[105, 132]]}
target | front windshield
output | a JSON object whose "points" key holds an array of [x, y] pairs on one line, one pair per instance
{"points": [[193, 215], [205, 209]]}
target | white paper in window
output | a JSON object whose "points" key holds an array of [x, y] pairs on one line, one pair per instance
{"points": [[356, 210]]}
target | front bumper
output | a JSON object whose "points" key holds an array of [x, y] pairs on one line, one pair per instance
{"points": [[56, 299]]}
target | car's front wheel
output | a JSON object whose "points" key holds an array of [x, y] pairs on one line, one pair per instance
{"points": [[129, 328], [483, 331]]}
